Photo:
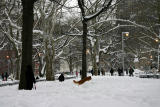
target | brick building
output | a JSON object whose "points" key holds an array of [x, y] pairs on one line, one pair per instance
{"points": [[6, 57]]}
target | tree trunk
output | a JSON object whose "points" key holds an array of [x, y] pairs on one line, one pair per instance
{"points": [[70, 60], [70, 65], [49, 62], [17, 68], [26, 40], [84, 61], [48, 69], [158, 9], [95, 69]]}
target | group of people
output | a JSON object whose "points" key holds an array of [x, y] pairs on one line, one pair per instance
{"points": [[121, 73], [4, 76], [102, 71]]}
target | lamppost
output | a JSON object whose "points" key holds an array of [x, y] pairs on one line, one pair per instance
{"points": [[87, 53], [123, 34], [151, 58], [7, 57], [158, 54]]}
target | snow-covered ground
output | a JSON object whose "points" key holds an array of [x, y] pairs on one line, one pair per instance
{"points": [[101, 91]]}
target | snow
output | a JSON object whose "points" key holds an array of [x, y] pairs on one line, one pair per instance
{"points": [[92, 40], [101, 91], [136, 60]]}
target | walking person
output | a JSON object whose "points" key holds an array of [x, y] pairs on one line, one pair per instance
{"points": [[76, 74], [99, 72], [112, 71], [119, 72], [103, 72], [2, 76], [80, 72], [131, 70], [6, 76], [92, 72], [126, 71]]}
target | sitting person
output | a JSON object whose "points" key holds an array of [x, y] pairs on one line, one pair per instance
{"points": [[61, 77]]}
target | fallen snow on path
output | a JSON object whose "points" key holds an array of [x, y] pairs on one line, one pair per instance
{"points": [[101, 91]]}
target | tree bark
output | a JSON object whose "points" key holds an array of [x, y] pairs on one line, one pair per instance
{"points": [[26, 40], [84, 36], [17, 68], [84, 58]]}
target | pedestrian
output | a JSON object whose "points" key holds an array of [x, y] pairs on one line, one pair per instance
{"points": [[77, 74], [30, 77], [126, 71], [80, 72], [92, 72], [2, 76], [111, 71], [6, 76], [131, 70], [103, 72], [119, 72], [61, 78], [99, 72]]}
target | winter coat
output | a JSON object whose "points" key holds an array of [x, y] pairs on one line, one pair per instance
{"points": [[61, 78], [6, 75], [131, 70], [111, 71], [2, 76]]}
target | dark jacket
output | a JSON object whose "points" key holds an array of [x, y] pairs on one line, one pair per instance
{"points": [[2, 76], [131, 70], [111, 71], [61, 78]]}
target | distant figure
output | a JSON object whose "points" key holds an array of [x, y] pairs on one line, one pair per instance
{"points": [[77, 74], [80, 72], [99, 72], [103, 72], [6, 76], [119, 72], [126, 71], [131, 70], [2, 76], [61, 77], [30, 77], [112, 71], [92, 72]]}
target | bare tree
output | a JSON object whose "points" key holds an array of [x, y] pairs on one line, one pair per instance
{"points": [[85, 19]]}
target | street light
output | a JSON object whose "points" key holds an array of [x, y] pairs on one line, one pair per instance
{"points": [[87, 52], [7, 57], [158, 53], [156, 40], [123, 34]]}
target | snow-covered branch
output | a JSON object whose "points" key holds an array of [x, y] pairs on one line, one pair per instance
{"points": [[104, 8], [128, 21], [5, 44]]}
